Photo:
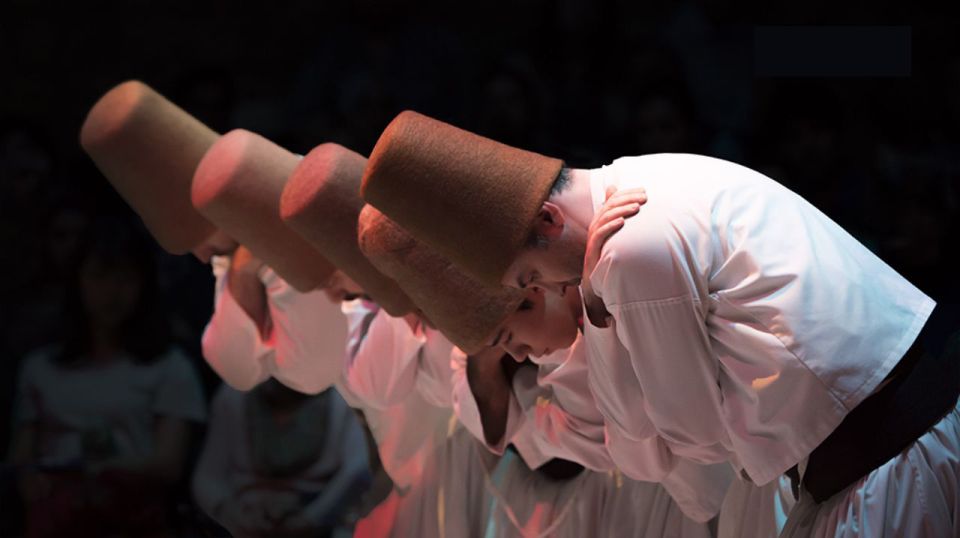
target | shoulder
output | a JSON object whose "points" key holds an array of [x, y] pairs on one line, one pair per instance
{"points": [[683, 171], [175, 363], [39, 360], [656, 255], [664, 162], [41, 355]]}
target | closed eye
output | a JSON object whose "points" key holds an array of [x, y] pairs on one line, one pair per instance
{"points": [[497, 339]]}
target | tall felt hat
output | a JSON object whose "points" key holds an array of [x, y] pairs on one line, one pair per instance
{"points": [[237, 186], [148, 148], [322, 203], [473, 199], [464, 310]]}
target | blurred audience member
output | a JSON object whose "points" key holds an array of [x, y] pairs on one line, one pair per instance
{"points": [[280, 463], [103, 417], [26, 171], [40, 319]]}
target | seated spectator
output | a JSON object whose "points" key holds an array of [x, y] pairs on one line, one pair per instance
{"points": [[103, 417], [277, 462]]}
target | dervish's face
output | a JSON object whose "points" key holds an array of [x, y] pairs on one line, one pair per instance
{"points": [[535, 267], [218, 244], [542, 324], [553, 259]]}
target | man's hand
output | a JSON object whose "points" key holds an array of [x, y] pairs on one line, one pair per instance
{"points": [[618, 207], [244, 519]]}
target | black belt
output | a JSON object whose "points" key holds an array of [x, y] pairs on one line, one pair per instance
{"points": [[920, 390]]}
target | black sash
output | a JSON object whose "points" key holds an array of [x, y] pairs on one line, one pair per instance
{"points": [[920, 391]]}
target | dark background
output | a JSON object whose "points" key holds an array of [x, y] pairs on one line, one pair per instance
{"points": [[584, 81]]}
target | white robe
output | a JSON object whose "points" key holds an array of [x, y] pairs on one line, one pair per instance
{"points": [[305, 336], [746, 325]]}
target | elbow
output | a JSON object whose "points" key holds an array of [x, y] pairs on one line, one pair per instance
{"points": [[238, 380], [242, 384], [235, 374]]}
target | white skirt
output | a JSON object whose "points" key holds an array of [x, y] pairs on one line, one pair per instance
{"points": [[447, 501], [915, 494], [751, 511], [527, 504]]}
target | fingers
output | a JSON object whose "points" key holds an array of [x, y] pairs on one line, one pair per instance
{"points": [[615, 213], [602, 233], [619, 206], [631, 196], [595, 244]]}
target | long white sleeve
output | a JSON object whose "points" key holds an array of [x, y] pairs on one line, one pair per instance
{"points": [[406, 432], [304, 347], [387, 359], [231, 342], [382, 356], [308, 335]]}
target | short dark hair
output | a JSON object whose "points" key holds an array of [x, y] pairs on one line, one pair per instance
{"points": [[561, 182], [146, 334]]}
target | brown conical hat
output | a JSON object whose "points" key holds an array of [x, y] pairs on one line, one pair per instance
{"points": [[237, 186], [148, 148], [472, 199], [321, 202], [464, 310]]}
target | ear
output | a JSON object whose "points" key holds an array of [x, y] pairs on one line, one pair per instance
{"points": [[549, 221]]}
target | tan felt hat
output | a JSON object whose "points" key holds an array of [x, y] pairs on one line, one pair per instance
{"points": [[464, 310], [238, 186], [148, 148], [469, 197], [321, 202]]}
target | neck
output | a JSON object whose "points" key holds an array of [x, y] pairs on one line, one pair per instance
{"points": [[576, 199]]}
